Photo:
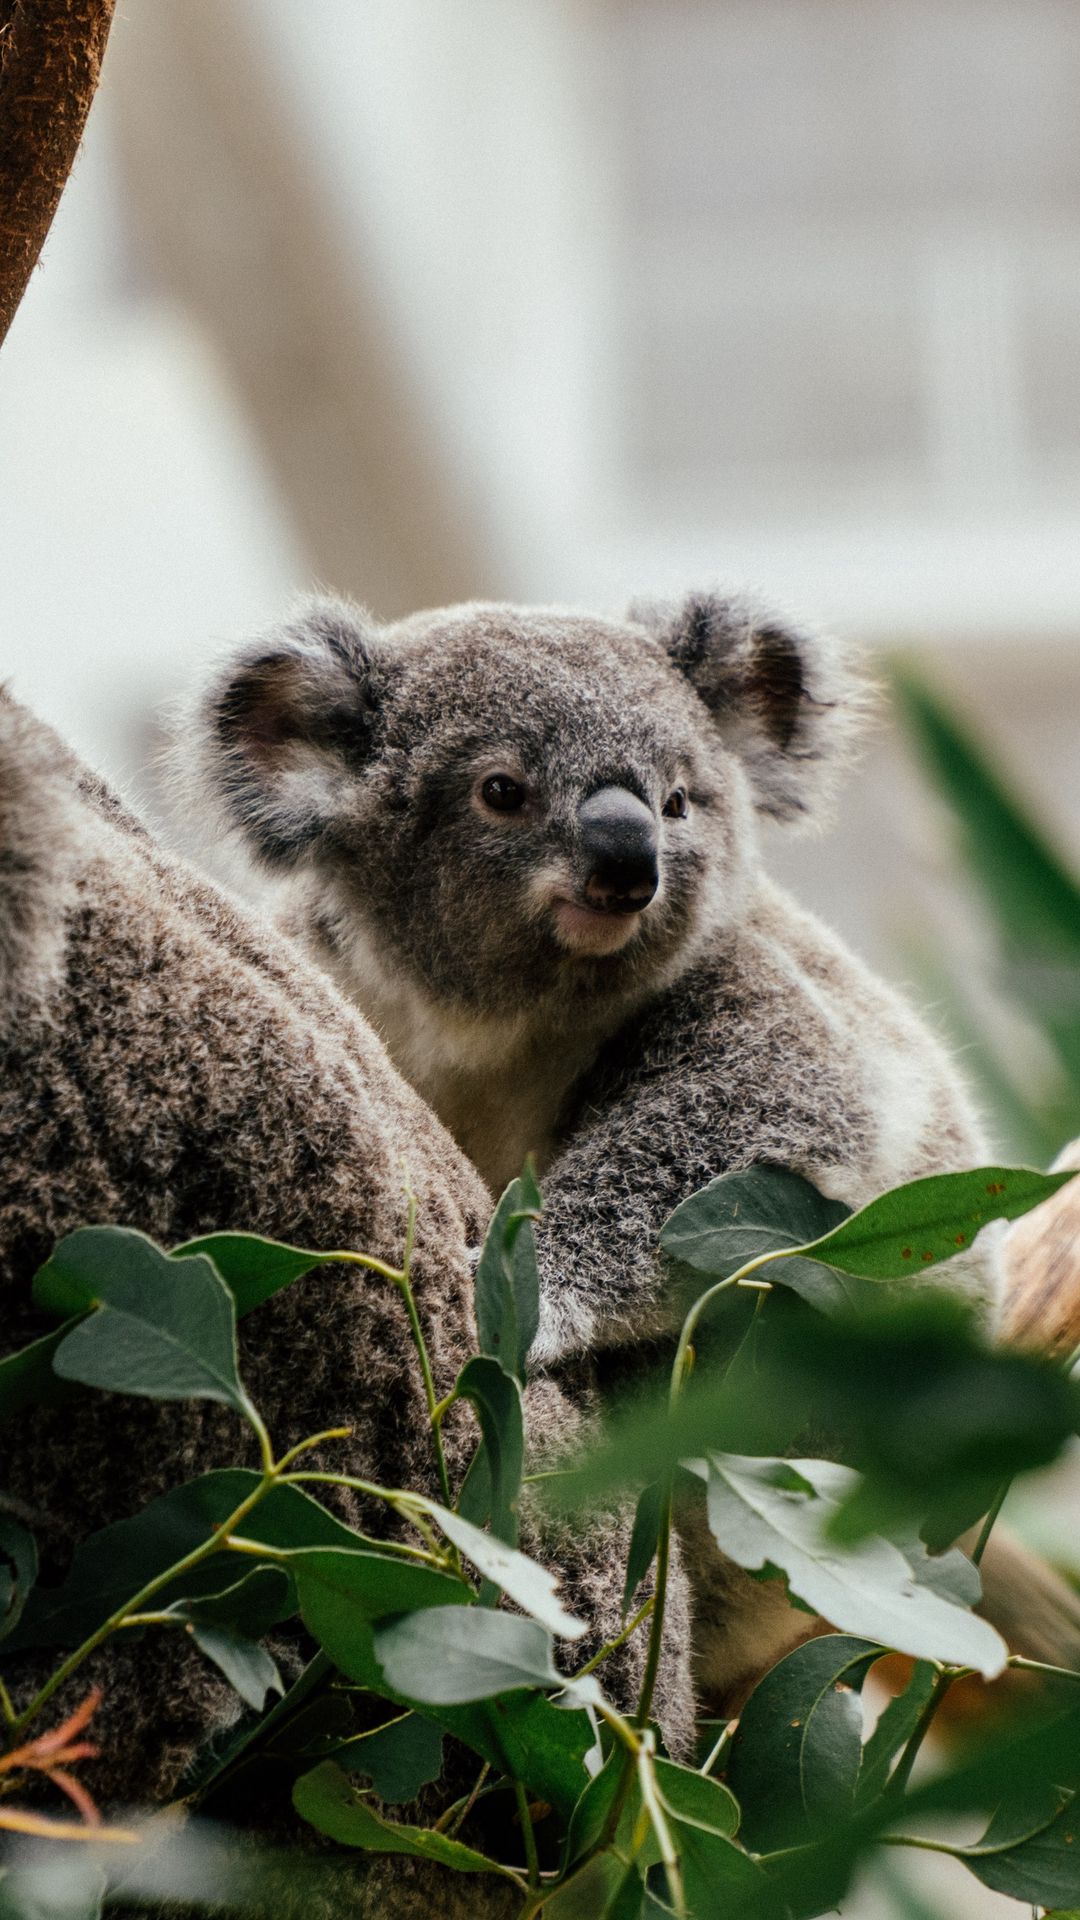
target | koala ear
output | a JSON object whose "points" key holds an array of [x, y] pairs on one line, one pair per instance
{"points": [[286, 722], [787, 700]]}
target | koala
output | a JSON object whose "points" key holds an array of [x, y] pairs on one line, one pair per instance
{"points": [[524, 842], [170, 1063]]}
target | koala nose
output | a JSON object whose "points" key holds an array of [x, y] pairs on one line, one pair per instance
{"points": [[619, 848]]}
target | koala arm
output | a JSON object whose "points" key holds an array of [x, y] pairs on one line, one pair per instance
{"points": [[746, 1060]]}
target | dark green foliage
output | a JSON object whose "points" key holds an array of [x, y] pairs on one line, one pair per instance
{"points": [[414, 1643]]}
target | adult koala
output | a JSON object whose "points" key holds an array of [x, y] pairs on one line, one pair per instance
{"points": [[524, 843], [169, 1063]]}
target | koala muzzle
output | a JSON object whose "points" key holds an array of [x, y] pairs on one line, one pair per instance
{"points": [[618, 851]]}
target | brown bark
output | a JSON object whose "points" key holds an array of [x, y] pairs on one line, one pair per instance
{"points": [[1042, 1271], [50, 61]]}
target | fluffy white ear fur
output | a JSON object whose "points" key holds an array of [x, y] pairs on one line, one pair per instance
{"points": [[39, 836], [789, 701], [277, 729]]}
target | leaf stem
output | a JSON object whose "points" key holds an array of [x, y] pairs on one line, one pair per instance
{"points": [[137, 1604], [988, 1524], [612, 1646], [528, 1836], [902, 1771], [659, 1600], [724, 1741], [1041, 1666], [453, 1818]]}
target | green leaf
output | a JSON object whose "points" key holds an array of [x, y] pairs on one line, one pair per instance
{"points": [[794, 1761], [467, 1653], [18, 1571], [919, 1225], [165, 1329], [246, 1666], [894, 1729], [593, 1893], [111, 1566], [328, 1801], [774, 1516], [251, 1605], [522, 1734], [396, 1759], [1030, 1849], [507, 1294], [342, 1592], [644, 1538], [688, 1793], [741, 1215], [27, 1378], [493, 1483], [225, 1627], [530, 1585], [935, 1416], [252, 1268], [717, 1875]]}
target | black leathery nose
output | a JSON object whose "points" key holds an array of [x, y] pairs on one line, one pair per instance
{"points": [[619, 851]]}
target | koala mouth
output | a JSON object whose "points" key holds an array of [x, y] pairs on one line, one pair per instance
{"points": [[593, 931]]}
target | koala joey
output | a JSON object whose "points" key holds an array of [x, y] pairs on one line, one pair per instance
{"points": [[523, 841]]}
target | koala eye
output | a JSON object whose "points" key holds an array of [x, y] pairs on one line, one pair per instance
{"points": [[676, 806], [502, 794]]}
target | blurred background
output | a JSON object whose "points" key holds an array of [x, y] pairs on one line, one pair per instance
{"points": [[571, 301]]}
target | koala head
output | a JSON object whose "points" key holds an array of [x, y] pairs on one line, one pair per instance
{"points": [[517, 804]]}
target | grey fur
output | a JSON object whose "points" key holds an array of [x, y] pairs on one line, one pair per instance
{"points": [[169, 1063], [731, 1027]]}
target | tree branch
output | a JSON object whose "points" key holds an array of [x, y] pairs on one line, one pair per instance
{"points": [[50, 62]]}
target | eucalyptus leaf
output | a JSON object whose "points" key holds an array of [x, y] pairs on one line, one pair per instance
{"points": [[523, 1735], [252, 1268], [919, 1225], [328, 1801], [493, 1484], [396, 1759], [644, 1538], [1030, 1849], [27, 1378], [18, 1571], [114, 1564], [741, 1215], [246, 1666], [341, 1592], [507, 1286], [528, 1584], [249, 1606], [162, 1328], [895, 1726], [692, 1795], [459, 1654], [794, 1762], [773, 1516]]}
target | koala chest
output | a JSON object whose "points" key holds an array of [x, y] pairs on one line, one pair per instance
{"points": [[498, 1084]]}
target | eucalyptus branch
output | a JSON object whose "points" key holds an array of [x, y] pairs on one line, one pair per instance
{"points": [[1021, 1665], [612, 1646], [137, 1604]]}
